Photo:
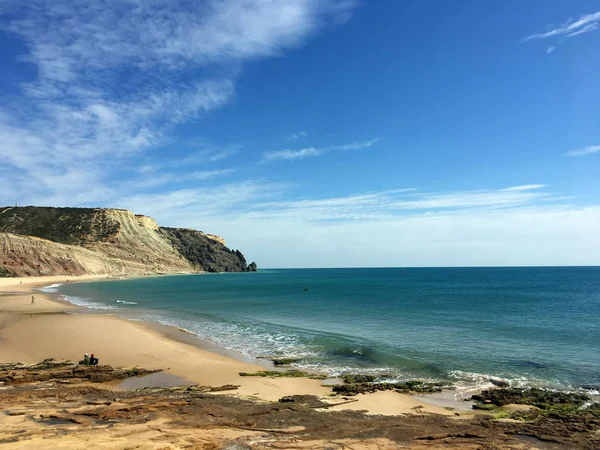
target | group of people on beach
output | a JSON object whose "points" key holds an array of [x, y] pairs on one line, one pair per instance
{"points": [[89, 360]]}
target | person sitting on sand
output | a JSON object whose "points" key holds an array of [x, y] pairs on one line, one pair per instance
{"points": [[86, 359], [93, 361]]}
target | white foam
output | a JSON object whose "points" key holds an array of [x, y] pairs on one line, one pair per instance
{"points": [[86, 302], [126, 302], [53, 288], [253, 341], [337, 371], [470, 383], [248, 340]]}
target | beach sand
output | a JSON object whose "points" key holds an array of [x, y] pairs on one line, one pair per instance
{"points": [[52, 329]]}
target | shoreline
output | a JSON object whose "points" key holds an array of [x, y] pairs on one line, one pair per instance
{"points": [[464, 382], [52, 331], [460, 390]]}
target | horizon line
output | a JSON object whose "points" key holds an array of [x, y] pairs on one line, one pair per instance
{"points": [[437, 267]]}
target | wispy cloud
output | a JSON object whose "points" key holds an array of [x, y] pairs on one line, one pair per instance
{"points": [[388, 204], [518, 225], [208, 154], [550, 49], [225, 200], [261, 202], [584, 151], [525, 187], [114, 80], [206, 174], [315, 151], [298, 135], [570, 28]]}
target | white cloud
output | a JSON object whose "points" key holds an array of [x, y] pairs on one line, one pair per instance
{"points": [[207, 154], [512, 226], [114, 81], [525, 187], [174, 207], [584, 151], [571, 28], [313, 151], [206, 174], [388, 204], [223, 154], [550, 49], [298, 135], [173, 35], [262, 200]]}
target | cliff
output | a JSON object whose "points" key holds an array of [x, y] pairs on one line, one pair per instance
{"points": [[76, 241]]}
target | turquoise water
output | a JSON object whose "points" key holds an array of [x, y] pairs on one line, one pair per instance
{"points": [[531, 326]]}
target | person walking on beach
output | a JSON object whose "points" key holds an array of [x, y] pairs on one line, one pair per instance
{"points": [[33, 300]]}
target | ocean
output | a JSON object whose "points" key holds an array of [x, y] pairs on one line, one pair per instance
{"points": [[462, 326]]}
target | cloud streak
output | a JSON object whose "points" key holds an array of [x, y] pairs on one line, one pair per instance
{"points": [[296, 136], [525, 187], [518, 225], [308, 152], [389, 204], [585, 24], [258, 200], [584, 151]]}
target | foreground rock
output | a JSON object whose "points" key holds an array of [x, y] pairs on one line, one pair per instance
{"points": [[89, 415], [292, 373], [352, 388], [75, 416], [539, 398], [64, 372]]}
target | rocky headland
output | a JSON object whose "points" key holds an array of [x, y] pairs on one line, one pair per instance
{"points": [[42, 241]]}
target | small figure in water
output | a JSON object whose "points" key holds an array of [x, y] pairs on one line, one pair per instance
{"points": [[305, 289], [33, 300]]}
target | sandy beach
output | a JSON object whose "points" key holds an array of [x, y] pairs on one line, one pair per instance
{"points": [[52, 329]]}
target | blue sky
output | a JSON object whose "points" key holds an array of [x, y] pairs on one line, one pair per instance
{"points": [[315, 133]]}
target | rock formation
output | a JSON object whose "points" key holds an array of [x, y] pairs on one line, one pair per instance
{"points": [[37, 241]]}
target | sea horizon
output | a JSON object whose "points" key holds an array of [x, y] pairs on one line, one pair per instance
{"points": [[424, 267]]}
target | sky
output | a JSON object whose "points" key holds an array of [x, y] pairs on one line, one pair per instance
{"points": [[315, 133]]}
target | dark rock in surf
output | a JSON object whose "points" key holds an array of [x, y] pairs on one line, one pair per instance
{"points": [[406, 387], [349, 378], [284, 361], [535, 397], [499, 382]]}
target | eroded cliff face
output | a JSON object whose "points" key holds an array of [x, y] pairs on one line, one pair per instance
{"points": [[205, 251], [76, 241]]}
